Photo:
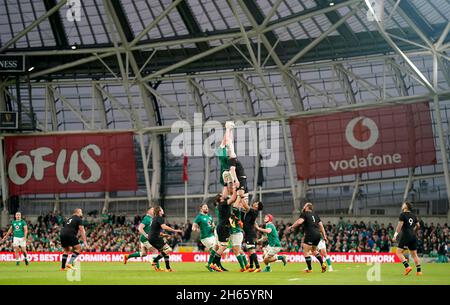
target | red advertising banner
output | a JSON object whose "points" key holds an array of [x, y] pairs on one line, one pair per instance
{"points": [[70, 163], [201, 257], [363, 141]]}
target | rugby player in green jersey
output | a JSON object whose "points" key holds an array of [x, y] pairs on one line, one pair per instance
{"points": [[224, 153], [224, 167], [322, 248], [204, 223], [274, 246], [236, 234], [19, 230], [144, 231]]}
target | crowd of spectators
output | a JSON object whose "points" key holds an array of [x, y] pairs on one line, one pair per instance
{"points": [[367, 237], [111, 232]]}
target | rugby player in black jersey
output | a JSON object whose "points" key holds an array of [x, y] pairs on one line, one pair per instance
{"points": [[155, 239], [406, 228], [249, 220], [223, 226], [314, 232], [69, 238]]}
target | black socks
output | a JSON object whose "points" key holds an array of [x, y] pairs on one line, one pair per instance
{"points": [[319, 258], [166, 260], [157, 258], [255, 260], [63, 261], [308, 262]]}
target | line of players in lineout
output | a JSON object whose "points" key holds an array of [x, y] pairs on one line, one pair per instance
{"points": [[235, 219]]}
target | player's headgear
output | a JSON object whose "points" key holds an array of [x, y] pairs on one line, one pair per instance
{"points": [[227, 178], [408, 205]]}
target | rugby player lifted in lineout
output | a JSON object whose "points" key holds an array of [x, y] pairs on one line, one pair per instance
{"points": [[229, 162]]}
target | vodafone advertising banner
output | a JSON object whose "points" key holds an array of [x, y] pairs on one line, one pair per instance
{"points": [[201, 257], [70, 163], [363, 141]]}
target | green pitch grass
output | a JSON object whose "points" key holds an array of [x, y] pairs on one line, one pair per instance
{"points": [[197, 274]]}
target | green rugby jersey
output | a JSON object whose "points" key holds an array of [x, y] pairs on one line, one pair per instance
{"points": [[223, 161], [19, 228], [272, 237], [216, 211], [205, 222], [236, 216], [147, 222]]}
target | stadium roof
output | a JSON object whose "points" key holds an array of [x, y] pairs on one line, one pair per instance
{"points": [[177, 31]]}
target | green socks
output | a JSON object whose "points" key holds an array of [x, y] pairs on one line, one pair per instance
{"points": [[328, 261], [157, 262], [244, 259], [241, 261], [135, 254], [211, 257], [267, 269]]}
